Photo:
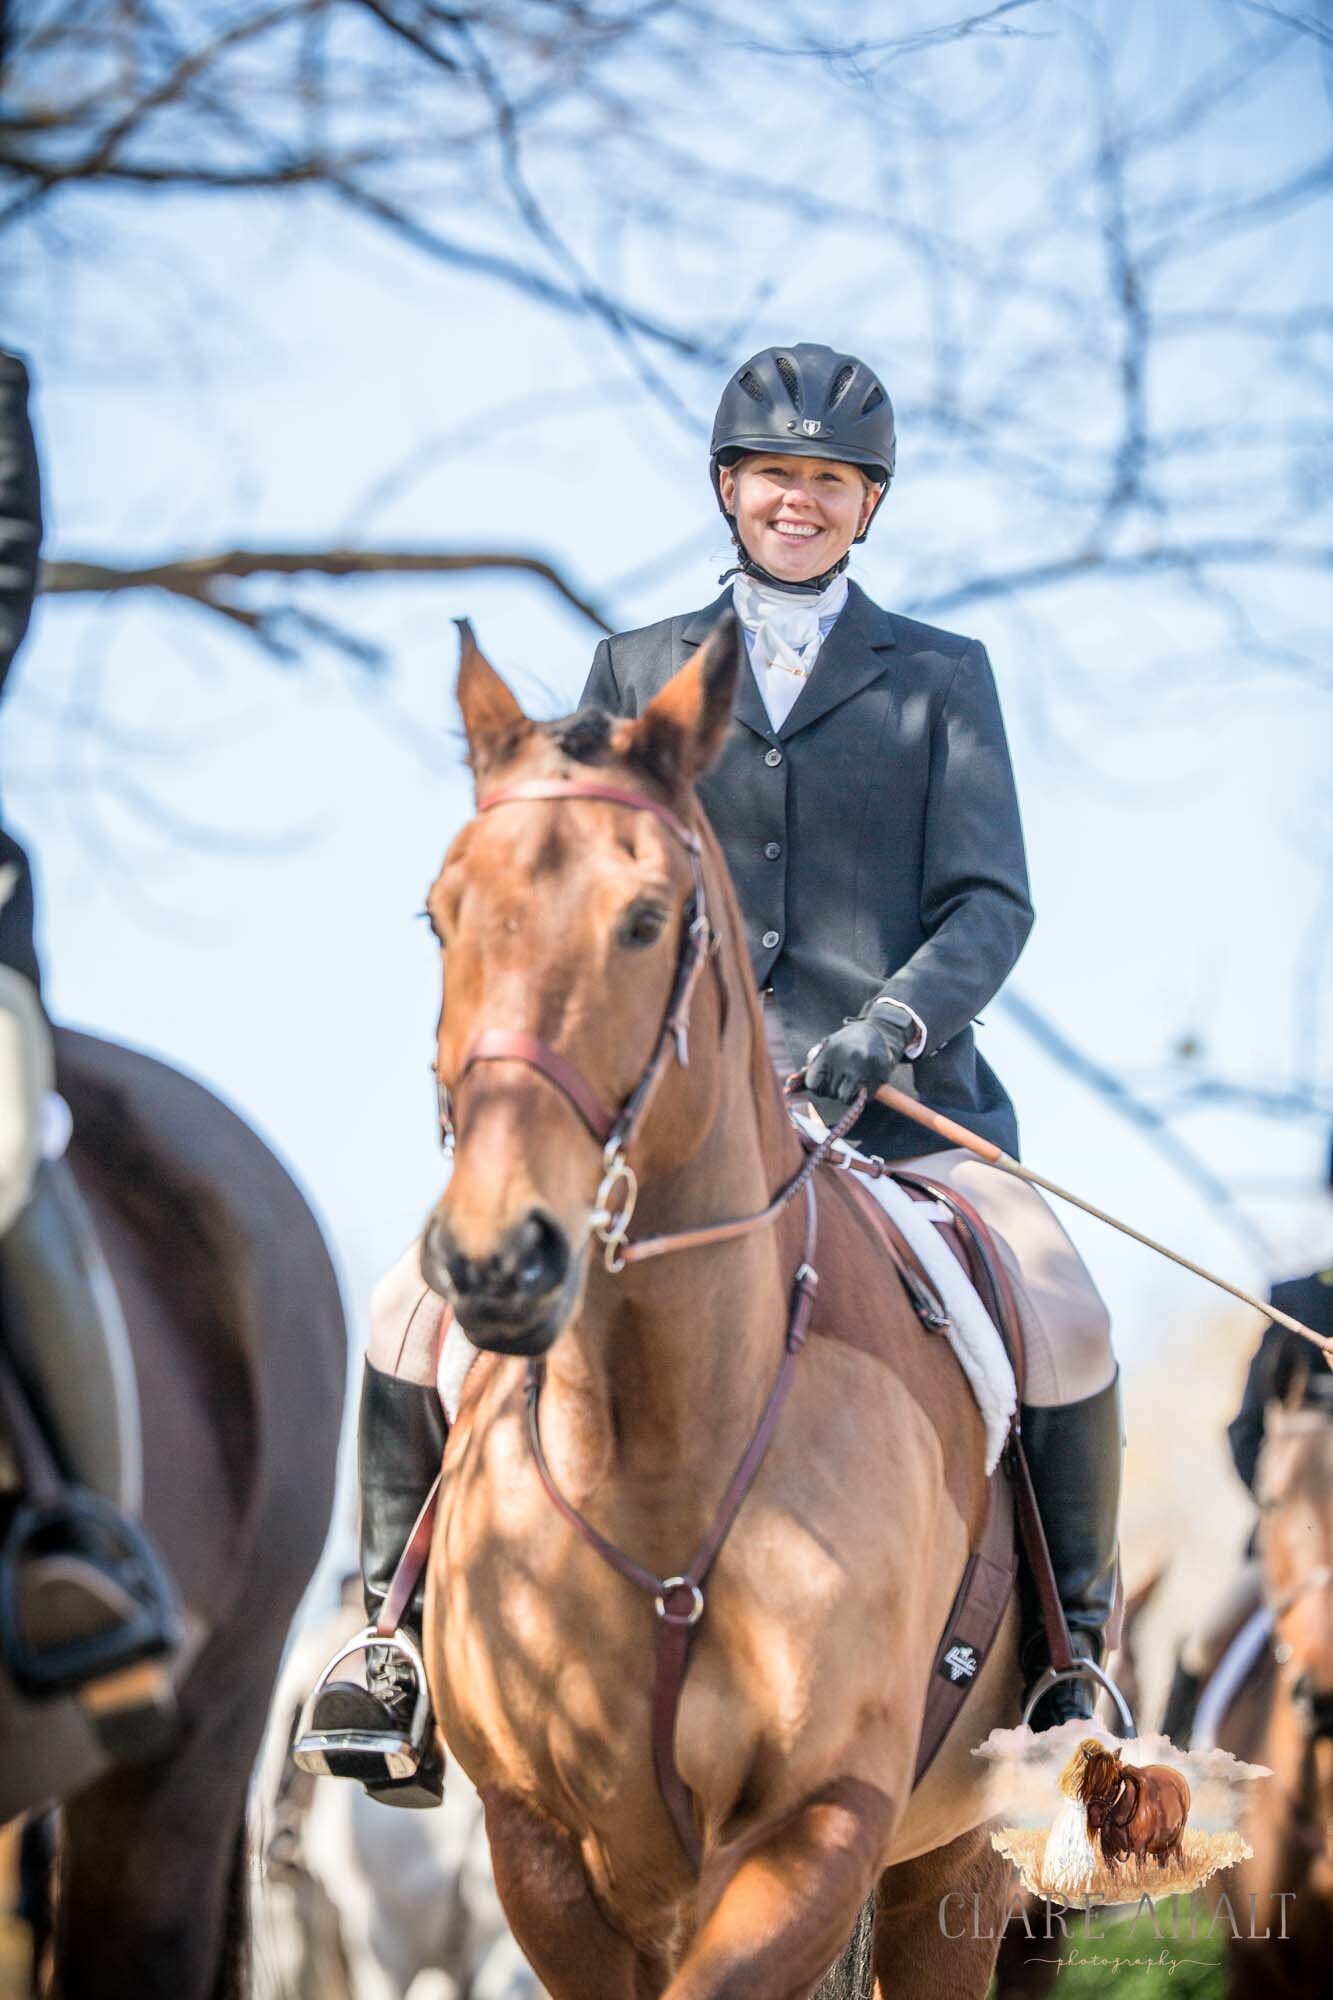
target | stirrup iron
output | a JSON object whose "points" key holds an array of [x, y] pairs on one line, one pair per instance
{"points": [[81, 1547], [374, 1756], [1081, 1670]]}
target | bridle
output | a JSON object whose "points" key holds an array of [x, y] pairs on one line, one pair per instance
{"points": [[1316, 1710], [614, 1131], [678, 1601]]}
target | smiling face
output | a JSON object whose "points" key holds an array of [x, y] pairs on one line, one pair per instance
{"points": [[797, 517]]}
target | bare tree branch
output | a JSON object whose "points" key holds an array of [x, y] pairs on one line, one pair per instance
{"points": [[198, 580]]}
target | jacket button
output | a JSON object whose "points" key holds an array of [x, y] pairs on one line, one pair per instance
{"points": [[771, 938], [772, 757], [772, 849]]}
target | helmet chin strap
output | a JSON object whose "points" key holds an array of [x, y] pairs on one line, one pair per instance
{"points": [[810, 587]]}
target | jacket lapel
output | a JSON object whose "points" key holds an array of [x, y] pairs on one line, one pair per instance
{"points": [[853, 655], [749, 705]]}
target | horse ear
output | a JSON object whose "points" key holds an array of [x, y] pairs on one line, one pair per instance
{"points": [[681, 732], [494, 722]]}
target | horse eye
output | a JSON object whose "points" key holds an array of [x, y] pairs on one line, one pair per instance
{"points": [[643, 926]]}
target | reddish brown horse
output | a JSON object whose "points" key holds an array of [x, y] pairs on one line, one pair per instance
{"points": [[1135, 1811], [1283, 1718], [564, 911]]}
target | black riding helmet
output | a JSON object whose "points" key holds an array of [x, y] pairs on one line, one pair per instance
{"points": [[805, 401]]}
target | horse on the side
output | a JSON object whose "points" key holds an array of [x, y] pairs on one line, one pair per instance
{"points": [[239, 1344], [1134, 1811], [567, 911], [1283, 1717]]}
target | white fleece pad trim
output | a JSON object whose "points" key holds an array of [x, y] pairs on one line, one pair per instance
{"points": [[971, 1332], [457, 1355]]}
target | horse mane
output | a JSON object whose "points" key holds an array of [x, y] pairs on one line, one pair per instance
{"points": [[735, 963], [584, 736]]}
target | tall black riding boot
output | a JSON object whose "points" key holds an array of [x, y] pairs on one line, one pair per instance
{"points": [[1073, 1452], [377, 1732]]}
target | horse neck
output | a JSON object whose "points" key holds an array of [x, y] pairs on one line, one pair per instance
{"points": [[669, 1362]]}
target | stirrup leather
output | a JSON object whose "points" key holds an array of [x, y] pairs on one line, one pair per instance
{"points": [[375, 1756], [1081, 1670]]}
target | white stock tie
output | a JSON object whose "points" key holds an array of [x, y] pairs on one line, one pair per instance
{"points": [[784, 633]]}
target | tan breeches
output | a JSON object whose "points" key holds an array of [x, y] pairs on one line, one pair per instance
{"points": [[405, 1320], [1066, 1328]]}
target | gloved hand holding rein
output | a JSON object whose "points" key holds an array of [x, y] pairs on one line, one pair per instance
{"points": [[862, 1054]]}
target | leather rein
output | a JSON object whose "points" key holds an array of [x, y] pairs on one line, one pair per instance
{"points": [[677, 1600]]}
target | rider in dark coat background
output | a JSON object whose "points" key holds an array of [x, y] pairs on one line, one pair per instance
{"points": [[1284, 1364], [83, 1585], [1281, 1360]]}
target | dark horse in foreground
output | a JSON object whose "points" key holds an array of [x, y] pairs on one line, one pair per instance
{"points": [[569, 916], [239, 1343]]}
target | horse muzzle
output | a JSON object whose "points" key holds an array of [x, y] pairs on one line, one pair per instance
{"points": [[514, 1300]]}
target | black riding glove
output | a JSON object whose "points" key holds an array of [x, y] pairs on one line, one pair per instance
{"points": [[861, 1056]]}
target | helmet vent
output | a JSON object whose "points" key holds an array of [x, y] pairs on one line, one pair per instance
{"points": [[753, 387], [838, 386], [791, 381], [873, 400]]}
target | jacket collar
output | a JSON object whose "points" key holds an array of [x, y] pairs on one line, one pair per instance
{"points": [[850, 658]]}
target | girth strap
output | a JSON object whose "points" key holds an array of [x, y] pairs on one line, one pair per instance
{"points": [[1004, 1311], [679, 1600], [973, 1623]]}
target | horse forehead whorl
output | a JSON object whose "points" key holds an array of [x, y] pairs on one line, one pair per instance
{"points": [[585, 736]]}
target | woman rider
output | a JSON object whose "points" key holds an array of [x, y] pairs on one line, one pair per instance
{"points": [[865, 804]]}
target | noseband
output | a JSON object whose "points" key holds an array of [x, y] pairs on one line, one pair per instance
{"points": [[613, 1130]]}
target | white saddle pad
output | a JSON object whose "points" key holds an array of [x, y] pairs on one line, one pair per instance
{"points": [[971, 1332]]}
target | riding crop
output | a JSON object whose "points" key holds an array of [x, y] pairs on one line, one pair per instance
{"points": [[958, 1135]]}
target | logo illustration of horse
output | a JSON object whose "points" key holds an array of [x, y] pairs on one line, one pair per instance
{"points": [[1134, 1811], [1123, 1827]]}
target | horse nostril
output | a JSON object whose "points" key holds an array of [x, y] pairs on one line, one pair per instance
{"points": [[537, 1257], [464, 1273], [443, 1264]]}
